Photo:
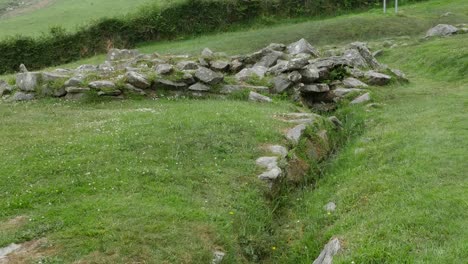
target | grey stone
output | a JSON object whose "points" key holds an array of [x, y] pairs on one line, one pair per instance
{"points": [[295, 133], [353, 83], [269, 59], [86, 68], [200, 87], [5, 88], [106, 67], [170, 84], [330, 207], [188, 78], [365, 53], [236, 65], [376, 78], [187, 65], [109, 92], [208, 76], [341, 92], [22, 68], [278, 150], [28, 81], [137, 79], [133, 89], [99, 85], [163, 69], [75, 81], [220, 65], [218, 257], [52, 91], [245, 74], [294, 76], [267, 162], [441, 30], [228, 89], [121, 54], [309, 75], [315, 88], [281, 83], [302, 46], [21, 96], [203, 62], [51, 76], [256, 97], [296, 64], [330, 250], [399, 74], [207, 53], [280, 67], [355, 59], [361, 99], [271, 174], [75, 90]]}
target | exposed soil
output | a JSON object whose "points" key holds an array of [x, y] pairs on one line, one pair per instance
{"points": [[29, 251]]}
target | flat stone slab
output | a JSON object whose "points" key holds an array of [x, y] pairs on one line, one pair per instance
{"points": [[267, 162], [295, 133], [330, 250]]}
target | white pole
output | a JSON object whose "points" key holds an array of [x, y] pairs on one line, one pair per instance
{"points": [[385, 6], [396, 6]]}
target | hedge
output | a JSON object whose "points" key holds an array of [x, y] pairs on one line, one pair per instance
{"points": [[192, 17]]}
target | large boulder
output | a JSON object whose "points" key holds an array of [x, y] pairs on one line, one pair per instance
{"points": [[302, 46], [441, 30], [28, 81], [121, 54], [138, 80]]}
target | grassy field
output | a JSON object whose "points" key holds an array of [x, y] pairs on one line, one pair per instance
{"points": [[67, 13], [169, 181]]}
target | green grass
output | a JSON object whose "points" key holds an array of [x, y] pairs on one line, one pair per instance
{"points": [[403, 198], [172, 181], [68, 14]]}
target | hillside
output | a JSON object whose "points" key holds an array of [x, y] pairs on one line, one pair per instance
{"points": [[173, 179], [36, 16]]}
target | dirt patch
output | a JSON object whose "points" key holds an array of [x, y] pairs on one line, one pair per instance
{"points": [[13, 223], [27, 7], [28, 252]]}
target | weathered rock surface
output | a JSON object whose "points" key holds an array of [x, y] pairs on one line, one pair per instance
{"points": [[247, 73], [121, 54], [99, 85], [256, 97], [199, 87], [278, 150], [295, 133], [315, 88], [302, 46], [376, 78], [353, 83], [163, 69], [208, 76], [441, 30], [21, 96], [362, 99], [5, 88], [330, 250], [28, 81], [138, 80], [228, 89]]}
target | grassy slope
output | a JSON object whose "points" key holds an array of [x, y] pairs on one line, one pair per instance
{"points": [[68, 14], [400, 200]]}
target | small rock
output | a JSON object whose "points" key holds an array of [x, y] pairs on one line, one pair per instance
{"points": [[220, 65], [236, 65], [207, 53], [138, 80], [98, 85], [296, 64], [208, 76], [315, 88], [228, 89], [330, 207], [309, 75], [376, 78], [245, 74], [295, 133], [267, 162], [302, 46], [22, 68], [330, 250], [341, 92], [271, 175], [163, 69], [218, 257], [75, 81], [294, 76], [5, 88], [256, 97], [133, 89], [21, 96], [200, 87], [187, 65], [169, 84], [362, 99], [281, 83], [75, 90], [278, 150], [353, 83]]}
